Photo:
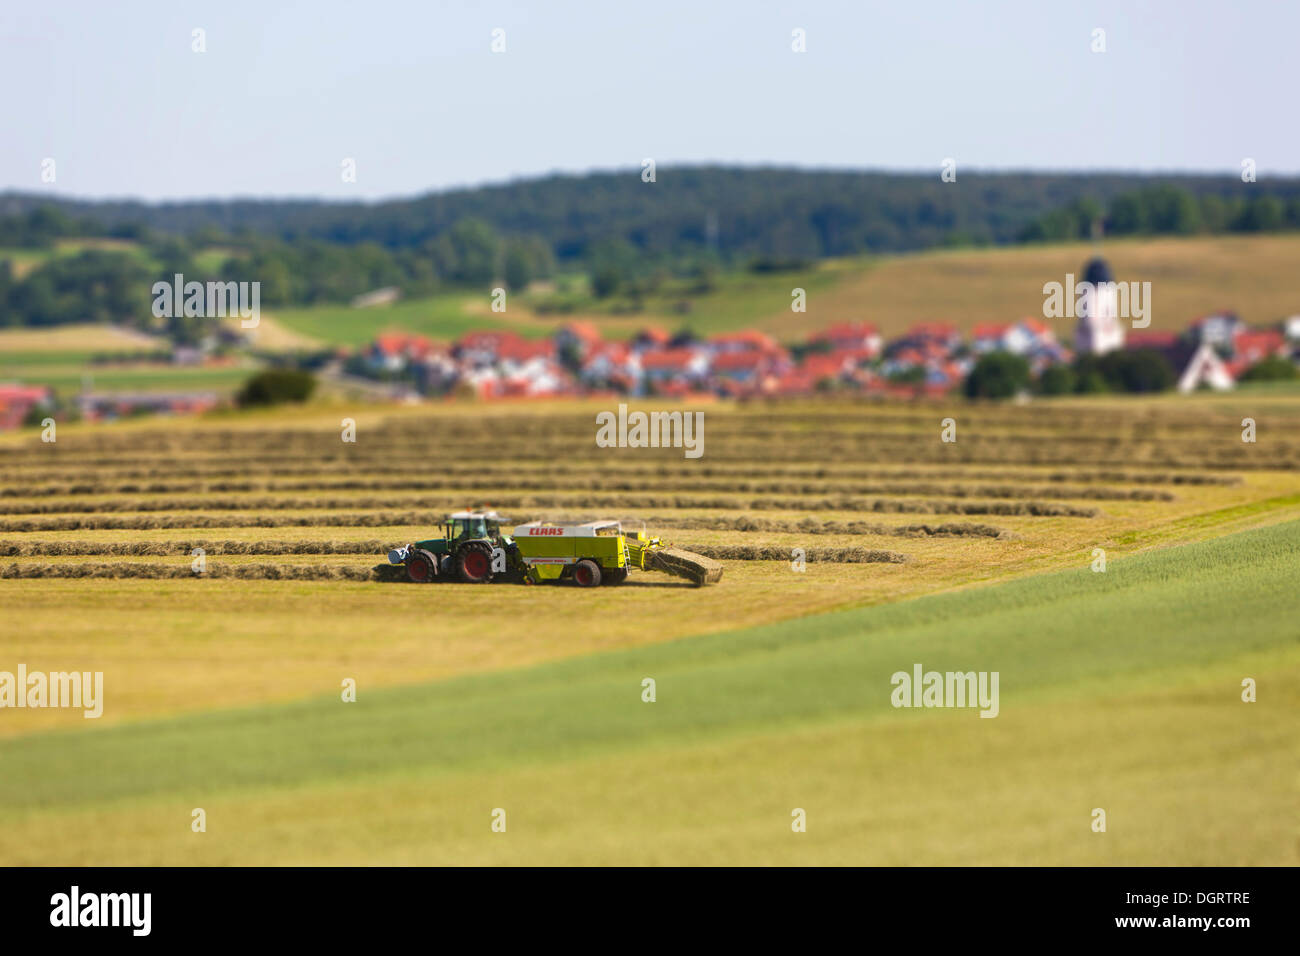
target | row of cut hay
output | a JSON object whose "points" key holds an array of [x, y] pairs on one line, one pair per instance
{"points": [[377, 519], [315, 444], [1207, 453], [136, 569], [16, 549], [750, 552], [840, 415], [156, 477], [762, 425], [846, 528], [594, 481], [431, 519], [982, 423], [594, 502], [809, 525]]}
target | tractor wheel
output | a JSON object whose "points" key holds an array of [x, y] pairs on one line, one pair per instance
{"points": [[421, 567], [613, 576], [475, 563], [586, 573]]}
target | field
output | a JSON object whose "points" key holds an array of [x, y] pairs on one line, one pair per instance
{"points": [[1120, 690], [63, 358], [1189, 278]]}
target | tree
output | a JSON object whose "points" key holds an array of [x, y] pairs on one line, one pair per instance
{"points": [[998, 375], [276, 386], [475, 246], [518, 268], [1057, 380], [1271, 369], [1262, 214], [613, 266], [1142, 370]]}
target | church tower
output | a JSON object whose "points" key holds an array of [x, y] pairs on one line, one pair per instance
{"points": [[1098, 330]]}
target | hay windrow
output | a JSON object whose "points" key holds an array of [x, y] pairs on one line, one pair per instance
{"points": [[15, 549], [520, 503], [136, 569], [750, 552]]}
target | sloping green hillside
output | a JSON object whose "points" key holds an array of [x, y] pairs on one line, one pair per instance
{"points": [[1118, 691]]}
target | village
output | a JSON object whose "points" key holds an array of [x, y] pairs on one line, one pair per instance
{"points": [[928, 360]]}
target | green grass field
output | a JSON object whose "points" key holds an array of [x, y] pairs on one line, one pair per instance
{"points": [[67, 378], [444, 316], [1118, 690]]}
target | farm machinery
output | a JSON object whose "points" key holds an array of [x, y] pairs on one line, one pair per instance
{"points": [[475, 550]]}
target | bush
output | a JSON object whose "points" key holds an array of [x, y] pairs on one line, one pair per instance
{"points": [[1141, 370], [1271, 369], [998, 375], [1057, 380], [276, 386]]}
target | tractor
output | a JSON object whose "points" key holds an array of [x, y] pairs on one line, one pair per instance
{"points": [[472, 549], [589, 554]]}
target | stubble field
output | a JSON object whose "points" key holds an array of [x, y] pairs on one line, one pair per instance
{"points": [[223, 691]]}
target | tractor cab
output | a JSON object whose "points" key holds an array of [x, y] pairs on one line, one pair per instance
{"points": [[473, 525]]}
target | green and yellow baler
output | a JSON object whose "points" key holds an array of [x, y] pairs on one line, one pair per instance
{"points": [[588, 554]]}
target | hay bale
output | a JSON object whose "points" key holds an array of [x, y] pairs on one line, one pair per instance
{"points": [[685, 564]]}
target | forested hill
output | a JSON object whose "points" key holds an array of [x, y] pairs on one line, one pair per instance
{"points": [[738, 212]]}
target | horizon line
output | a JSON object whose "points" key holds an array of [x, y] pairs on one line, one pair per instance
{"points": [[9, 192]]}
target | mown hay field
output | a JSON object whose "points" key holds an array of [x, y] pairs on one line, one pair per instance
{"points": [[97, 532]]}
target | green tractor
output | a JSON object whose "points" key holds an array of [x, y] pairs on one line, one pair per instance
{"points": [[472, 550]]}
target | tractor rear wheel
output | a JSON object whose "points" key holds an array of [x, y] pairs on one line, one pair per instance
{"points": [[421, 567], [586, 573], [475, 563]]}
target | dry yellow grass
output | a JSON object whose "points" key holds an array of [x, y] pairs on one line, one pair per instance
{"points": [[1253, 275], [181, 645], [86, 337]]}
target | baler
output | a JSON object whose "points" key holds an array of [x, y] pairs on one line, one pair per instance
{"points": [[589, 554]]}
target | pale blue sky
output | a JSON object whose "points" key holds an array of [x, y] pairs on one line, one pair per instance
{"points": [[412, 91]]}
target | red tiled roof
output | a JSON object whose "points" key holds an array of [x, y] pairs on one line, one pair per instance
{"points": [[521, 350], [583, 330], [751, 338], [487, 339], [1259, 343], [823, 366], [667, 358], [23, 393], [843, 331], [1152, 339], [731, 361]]}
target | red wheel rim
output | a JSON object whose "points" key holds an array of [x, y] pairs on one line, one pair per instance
{"points": [[418, 570], [476, 564], [582, 576]]}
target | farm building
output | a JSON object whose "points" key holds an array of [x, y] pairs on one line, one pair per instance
{"points": [[16, 401]]}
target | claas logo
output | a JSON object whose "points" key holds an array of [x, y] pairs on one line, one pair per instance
{"points": [[533, 531]]}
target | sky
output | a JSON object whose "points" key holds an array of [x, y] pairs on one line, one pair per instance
{"points": [[413, 94]]}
